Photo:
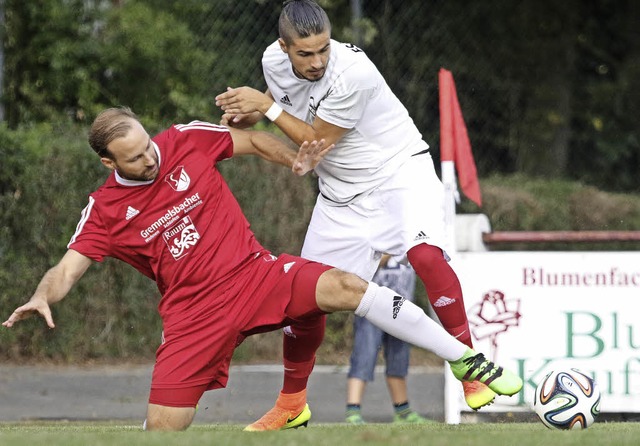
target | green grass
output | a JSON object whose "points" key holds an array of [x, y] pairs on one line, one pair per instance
{"points": [[484, 434]]}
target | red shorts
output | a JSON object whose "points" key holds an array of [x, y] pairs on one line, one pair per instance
{"points": [[266, 294]]}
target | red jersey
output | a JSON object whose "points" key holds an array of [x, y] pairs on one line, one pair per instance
{"points": [[185, 230]]}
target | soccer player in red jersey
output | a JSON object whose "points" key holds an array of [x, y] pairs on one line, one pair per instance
{"points": [[167, 211]]}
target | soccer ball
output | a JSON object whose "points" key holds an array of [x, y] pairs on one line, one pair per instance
{"points": [[567, 399]]}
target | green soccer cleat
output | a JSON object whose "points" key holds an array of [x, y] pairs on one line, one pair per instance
{"points": [[411, 418], [354, 418], [302, 419], [477, 395], [475, 367]]}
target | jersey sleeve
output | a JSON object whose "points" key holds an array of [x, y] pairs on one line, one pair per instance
{"points": [[346, 102], [91, 238], [214, 140]]}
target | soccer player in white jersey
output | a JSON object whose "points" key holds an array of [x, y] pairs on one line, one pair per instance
{"points": [[166, 211], [379, 192]]}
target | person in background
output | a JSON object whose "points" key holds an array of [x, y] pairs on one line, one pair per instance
{"points": [[367, 342]]}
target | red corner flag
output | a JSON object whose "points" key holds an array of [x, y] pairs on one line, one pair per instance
{"points": [[454, 141]]}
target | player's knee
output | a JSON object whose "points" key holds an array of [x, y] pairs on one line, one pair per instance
{"points": [[352, 289], [425, 257], [163, 418], [168, 425], [338, 290]]}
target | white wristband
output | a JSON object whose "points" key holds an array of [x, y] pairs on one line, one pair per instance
{"points": [[274, 111]]}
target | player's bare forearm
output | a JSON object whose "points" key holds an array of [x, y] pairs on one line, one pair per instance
{"points": [[53, 287], [305, 159], [262, 144], [48, 292], [273, 149], [296, 130], [245, 101]]}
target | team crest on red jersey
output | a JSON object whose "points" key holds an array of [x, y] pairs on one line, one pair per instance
{"points": [[178, 179], [181, 237]]}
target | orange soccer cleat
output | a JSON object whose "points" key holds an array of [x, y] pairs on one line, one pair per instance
{"points": [[290, 412]]}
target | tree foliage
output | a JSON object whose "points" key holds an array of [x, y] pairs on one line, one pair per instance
{"points": [[547, 88], [72, 58]]}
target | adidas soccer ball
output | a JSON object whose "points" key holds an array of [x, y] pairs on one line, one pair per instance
{"points": [[567, 399]]}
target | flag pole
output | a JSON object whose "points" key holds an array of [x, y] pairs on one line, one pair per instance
{"points": [[451, 384], [451, 196]]}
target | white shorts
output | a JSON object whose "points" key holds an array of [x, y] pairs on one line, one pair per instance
{"points": [[408, 209]]}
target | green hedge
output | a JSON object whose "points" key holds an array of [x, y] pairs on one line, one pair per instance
{"points": [[519, 203]]}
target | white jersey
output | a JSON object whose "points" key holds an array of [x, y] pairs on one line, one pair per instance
{"points": [[353, 95]]}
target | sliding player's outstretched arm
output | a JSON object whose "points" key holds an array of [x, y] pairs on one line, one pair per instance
{"points": [[53, 287], [274, 149]]}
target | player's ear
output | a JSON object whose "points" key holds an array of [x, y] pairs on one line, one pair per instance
{"points": [[108, 163], [283, 45]]}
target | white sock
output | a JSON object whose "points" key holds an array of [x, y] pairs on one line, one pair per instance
{"points": [[403, 319]]}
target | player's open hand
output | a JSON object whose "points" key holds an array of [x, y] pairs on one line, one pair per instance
{"points": [[242, 101], [33, 307], [309, 155]]}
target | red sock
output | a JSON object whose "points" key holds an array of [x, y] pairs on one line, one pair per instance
{"points": [[443, 289], [299, 352]]}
